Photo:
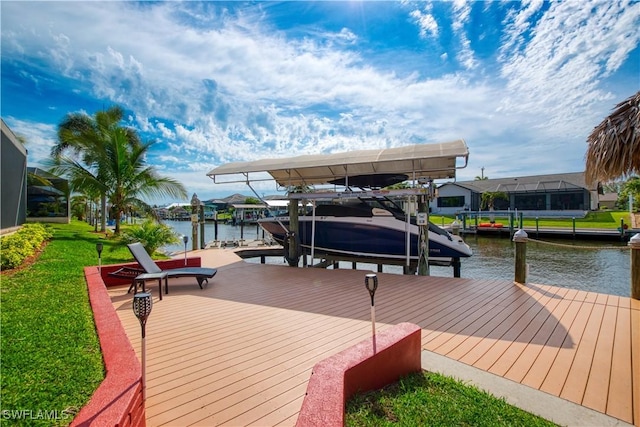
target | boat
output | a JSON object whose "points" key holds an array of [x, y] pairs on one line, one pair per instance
{"points": [[367, 228], [358, 227]]}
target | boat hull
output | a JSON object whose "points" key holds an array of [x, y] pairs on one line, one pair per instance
{"points": [[384, 237]]}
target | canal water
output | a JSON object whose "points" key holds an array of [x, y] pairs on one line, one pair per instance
{"points": [[585, 265]]}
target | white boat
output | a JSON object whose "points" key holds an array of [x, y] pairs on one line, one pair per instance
{"points": [[373, 228]]}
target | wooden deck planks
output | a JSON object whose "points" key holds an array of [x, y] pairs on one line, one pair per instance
{"points": [[529, 328], [578, 375], [599, 374], [635, 359], [523, 364], [240, 352], [620, 383]]}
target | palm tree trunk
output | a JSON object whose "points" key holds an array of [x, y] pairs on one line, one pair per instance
{"points": [[103, 218], [117, 223]]}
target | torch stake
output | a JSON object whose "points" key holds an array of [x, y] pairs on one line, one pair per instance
{"points": [[371, 283], [142, 305]]}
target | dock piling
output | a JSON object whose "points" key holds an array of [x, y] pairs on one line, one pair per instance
{"points": [[634, 244], [520, 238]]}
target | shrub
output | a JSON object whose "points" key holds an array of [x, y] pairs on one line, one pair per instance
{"points": [[151, 234], [16, 247]]}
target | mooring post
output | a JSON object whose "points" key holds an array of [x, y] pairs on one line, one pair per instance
{"points": [[215, 225], [520, 221], [202, 224], [511, 221], [521, 237], [293, 231], [456, 267], [634, 244], [195, 206]]}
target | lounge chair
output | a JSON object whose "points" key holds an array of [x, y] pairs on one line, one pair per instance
{"points": [[153, 272]]}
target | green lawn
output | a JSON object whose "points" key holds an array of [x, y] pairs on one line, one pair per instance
{"points": [[598, 219], [50, 354], [430, 399]]}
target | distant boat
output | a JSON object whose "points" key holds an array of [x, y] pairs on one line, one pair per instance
{"points": [[368, 228]]}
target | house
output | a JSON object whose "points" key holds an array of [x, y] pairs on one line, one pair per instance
{"points": [[47, 197], [554, 192], [13, 179], [608, 200]]}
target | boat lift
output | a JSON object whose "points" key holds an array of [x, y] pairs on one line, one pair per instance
{"points": [[421, 163]]}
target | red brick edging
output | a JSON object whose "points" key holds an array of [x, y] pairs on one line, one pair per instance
{"points": [[118, 399], [335, 379]]}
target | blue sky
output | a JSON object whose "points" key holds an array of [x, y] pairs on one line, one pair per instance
{"points": [[523, 83]]}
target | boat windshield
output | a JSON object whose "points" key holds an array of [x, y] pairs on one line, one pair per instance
{"points": [[399, 214]]}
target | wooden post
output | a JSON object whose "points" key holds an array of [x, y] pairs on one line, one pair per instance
{"points": [[521, 237], [215, 225], [195, 206], [202, 238], [521, 220], [293, 232], [423, 259], [511, 224], [456, 267], [634, 244]]}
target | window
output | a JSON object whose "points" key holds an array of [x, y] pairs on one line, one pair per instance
{"points": [[451, 202], [564, 201], [530, 202]]}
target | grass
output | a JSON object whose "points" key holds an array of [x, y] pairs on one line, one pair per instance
{"points": [[50, 354], [431, 399], [596, 219]]}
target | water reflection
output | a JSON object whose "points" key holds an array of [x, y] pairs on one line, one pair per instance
{"points": [[569, 263]]}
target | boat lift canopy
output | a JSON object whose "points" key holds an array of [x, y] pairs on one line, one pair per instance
{"points": [[426, 161]]}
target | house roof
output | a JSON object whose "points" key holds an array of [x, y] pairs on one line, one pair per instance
{"points": [[434, 161], [526, 184]]}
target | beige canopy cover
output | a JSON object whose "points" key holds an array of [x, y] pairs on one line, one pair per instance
{"points": [[433, 161]]}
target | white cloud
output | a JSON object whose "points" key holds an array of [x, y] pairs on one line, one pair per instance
{"points": [[426, 22], [561, 67], [234, 88], [462, 12]]}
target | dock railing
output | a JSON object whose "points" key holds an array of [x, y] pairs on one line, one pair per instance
{"points": [[513, 220]]}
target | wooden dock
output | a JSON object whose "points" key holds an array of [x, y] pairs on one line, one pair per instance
{"points": [[240, 352]]}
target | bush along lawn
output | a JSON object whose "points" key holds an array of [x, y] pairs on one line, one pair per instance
{"points": [[430, 399], [17, 247], [50, 354]]}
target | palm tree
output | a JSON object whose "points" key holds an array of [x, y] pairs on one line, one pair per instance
{"points": [[481, 177], [109, 160], [81, 137], [614, 145], [488, 199], [124, 169]]}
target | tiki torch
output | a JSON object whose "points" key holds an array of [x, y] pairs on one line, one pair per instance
{"points": [[142, 304]]}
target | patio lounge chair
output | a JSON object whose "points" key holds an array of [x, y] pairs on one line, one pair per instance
{"points": [[153, 272]]}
